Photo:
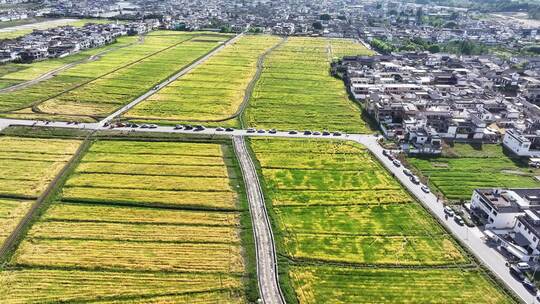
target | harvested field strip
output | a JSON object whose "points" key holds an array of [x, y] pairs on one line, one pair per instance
{"points": [[135, 232], [39, 285], [160, 148], [152, 256], [145, 169], [11, 212], [338, 198], [168, 183], [158, 198], [138, 215], [220, 100], [154, 159], [220, 297], [336, 284]]}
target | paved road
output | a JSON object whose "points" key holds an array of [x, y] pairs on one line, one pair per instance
{"points": [[165, 83], [471, 237], [267, 271]]}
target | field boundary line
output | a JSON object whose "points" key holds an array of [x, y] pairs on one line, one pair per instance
{"points": [[265, 250], [24, 223]]}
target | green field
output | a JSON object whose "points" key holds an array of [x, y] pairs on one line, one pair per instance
{"points": [[213, 92], [163, 241], [296, 90], [463, 168], [98, 87], [331, 215]]}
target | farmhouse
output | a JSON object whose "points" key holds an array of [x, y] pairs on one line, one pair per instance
{"points": [[523, 143]]}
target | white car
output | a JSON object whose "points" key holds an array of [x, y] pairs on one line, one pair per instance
{"points": [[397, 163], [449, 211], [523, 266]]}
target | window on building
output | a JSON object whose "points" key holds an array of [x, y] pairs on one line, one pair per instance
{"points": [[519, 224]]}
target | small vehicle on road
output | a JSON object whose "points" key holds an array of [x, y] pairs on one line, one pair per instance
{"points": [[307, 132], [523, 266], [385, 152], [198, 128], [425, 188], [316, 133], [396, 163], [178, 127], [407, 172], [145, 126], [415, 180], [458, 220], [516, 273], [220, 129], [152, 126], [337, 134], [529, 286], [293, 132], [188, 127], [326, 133], [272, 131], [251, 130], [261, 131], [229, 130], [448, 211]]}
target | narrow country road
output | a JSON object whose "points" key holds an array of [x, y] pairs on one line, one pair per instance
{"points": [[168, 81], [472, 238], [267, 274]]}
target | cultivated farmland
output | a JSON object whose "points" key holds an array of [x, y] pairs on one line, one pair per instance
{"points": [[463, 168], [296, 91], [99, 87], [211, 93], [173, 237], [326, 202]]}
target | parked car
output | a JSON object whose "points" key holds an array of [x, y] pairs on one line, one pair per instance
{"points": [[448, 211], [307, 132], [458, 220], [293, 132], [397, 163], [425, 189], [385, 152], [188, 127], [325, 133], [272, 131], [198, 128], [178, 127], [316, 133], [261, 131], [251, 130], [407, 172], [529, 286], [229, 130], [516, 273], [523, 266], [152, 126], [145, 126], [415, 180], [220, 129], [337, 134]]}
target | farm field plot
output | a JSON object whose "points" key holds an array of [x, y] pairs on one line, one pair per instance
{"points": [[11, 212], [212, 92], [333, 213], [194, 252], [27, 165], [463, 168], [97, 88], [133, 175], [350, 285], [296, 91]]}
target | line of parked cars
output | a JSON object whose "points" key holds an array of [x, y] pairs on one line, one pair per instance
{"points": [[518, 272], [189, 128], [130, 125], [414, 179]]}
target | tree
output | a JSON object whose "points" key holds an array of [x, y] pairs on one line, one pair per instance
{"points": [[317, 25], [434, 48]]}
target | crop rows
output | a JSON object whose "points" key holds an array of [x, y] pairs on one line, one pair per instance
{"points": [[11, 212], [119, 76], [349, 285], [27, 165], [110, 226], [462, 169], [213, 91], [296, 91], [347, 210]]}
